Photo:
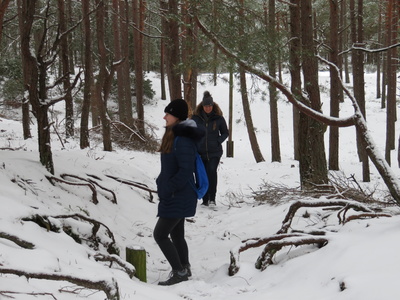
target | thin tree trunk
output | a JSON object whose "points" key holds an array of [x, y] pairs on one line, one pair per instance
{"points": [[69, 102], [391, 26], [358, 77], [335, 87], [25, 101], [138, 19], [273, 94], [245, 100], [313, 169], [35, 84], [101, 83], [172, 53], [294, 67], [88, 71]]}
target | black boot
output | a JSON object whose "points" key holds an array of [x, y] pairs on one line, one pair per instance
{"points": [[189, 272], [175, 277]]}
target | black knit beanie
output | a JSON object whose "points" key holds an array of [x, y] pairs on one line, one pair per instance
{"points": [[178, 108], [207, 99]]}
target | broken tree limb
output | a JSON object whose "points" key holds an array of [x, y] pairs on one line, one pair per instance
{"points": [[135, 184], [91, 181], [282, 238], [286, 223], [272, 247], [252, 243], [89, 185], [17, 240], [110, 288], [129, 269]]}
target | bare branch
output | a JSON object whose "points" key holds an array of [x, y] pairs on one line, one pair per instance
{"points": [[110, 288]]}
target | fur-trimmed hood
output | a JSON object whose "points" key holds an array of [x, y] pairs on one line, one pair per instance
{"points": [[189, 128], [216, 109]]}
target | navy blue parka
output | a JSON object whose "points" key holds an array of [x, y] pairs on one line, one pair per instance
{"points": [[174, 183], [216, 131]]}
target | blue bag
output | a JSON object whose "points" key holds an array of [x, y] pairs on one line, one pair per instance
{"points": [[200, 185], [200, 177]]}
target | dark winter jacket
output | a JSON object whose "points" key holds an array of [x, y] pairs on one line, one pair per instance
{"points": [[174, 184], [216, 131]]}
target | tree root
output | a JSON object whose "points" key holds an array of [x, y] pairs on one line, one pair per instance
{"points": [[17, 240], [135, 184], [110, 288], [89, 185], [296, 238], [45, 221], [129, 269]]}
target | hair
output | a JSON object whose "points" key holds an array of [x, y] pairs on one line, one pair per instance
{"points": [[167, 140]]}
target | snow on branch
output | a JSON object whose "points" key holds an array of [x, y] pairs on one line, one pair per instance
{"points": [[17, 240], [129, 269], [284, 238]]}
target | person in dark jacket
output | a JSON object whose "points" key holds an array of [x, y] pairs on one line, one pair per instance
{"points": [[208, 115], [178, 199]]}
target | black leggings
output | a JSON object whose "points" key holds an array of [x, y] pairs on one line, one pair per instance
{"points": [[175, 249], [211, 166]]}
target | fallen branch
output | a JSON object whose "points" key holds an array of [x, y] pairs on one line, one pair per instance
{"points": [[135, 184], [272, 247], [129, 269], [333, 203], [89, 185], [110, 288], [17, 240], [282, 238], [90, 181], [44, 221]]}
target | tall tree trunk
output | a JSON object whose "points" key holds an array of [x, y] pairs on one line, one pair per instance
{"points": [[392, 27], [172, 53], [249, 120], [25, 101], [273, 94], [313, 169], [116, 34], [245, 99], [295, 68], [188, 53], [358, 77], [215, 48], [125, 65], [335, 86], [69, 102], [101, 83], [3, 7], [138, 19], [379, 55], [34, 81], [88, 71]]}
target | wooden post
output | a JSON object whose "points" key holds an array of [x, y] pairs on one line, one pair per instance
{"points": [[136, 255], [229, 143]]}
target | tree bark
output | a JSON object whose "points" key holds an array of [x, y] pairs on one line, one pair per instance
{"points": [[335, 86], [295, 68], [172, 53], [313, 169], [138, 19], [35, 84], [273, 94], [101, 83], [88, 74], [69, 102]]}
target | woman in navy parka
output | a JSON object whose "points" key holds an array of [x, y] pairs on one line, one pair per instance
{"points": [[208, 115], [178, 199]]}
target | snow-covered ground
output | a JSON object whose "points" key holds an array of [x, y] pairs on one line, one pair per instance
{"points": [[361, 260]]}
